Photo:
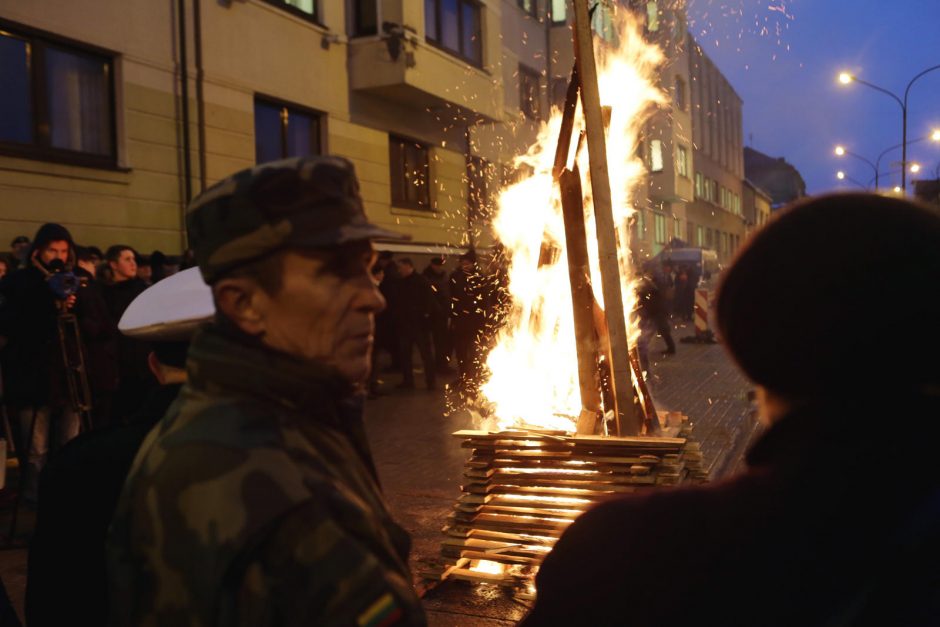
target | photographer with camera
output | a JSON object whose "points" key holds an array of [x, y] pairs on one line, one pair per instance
{"points": [[36, 378]]}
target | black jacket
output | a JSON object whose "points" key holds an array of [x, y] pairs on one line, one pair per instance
{"points": [[33, 369], [836, 522], [99, 334], [413, 303], [132, 353], [78, 492]]}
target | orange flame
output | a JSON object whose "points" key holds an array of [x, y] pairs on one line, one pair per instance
{"points": [[533, 366]]}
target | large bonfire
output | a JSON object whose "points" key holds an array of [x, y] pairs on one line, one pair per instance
{"points": [[532, 370]]}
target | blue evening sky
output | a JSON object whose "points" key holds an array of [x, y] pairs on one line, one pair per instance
{"points": [[783, 56]]}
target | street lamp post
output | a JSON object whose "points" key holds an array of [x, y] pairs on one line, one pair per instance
{"points": [[845, 78], [840, 151], [842, 176]]}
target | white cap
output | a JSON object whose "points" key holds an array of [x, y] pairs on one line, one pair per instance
{"points": [[170, 310]]}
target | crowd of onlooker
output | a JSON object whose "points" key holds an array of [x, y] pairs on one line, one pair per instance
{"points": [[449, 317], [444, 315], [41, 279]]}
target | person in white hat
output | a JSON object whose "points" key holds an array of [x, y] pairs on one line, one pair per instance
{"points": [[80, 485]]}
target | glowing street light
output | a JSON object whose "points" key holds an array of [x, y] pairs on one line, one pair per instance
{"points": [[841, 151], [915, 168], [897, 189], [842, 176], [935, 136], [845, 78]]}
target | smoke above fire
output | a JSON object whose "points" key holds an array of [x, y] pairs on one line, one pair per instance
{"points": [[532, 369]]}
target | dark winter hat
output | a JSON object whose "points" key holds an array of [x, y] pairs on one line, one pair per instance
{"points": [[19, 239], [51, 232], [823, 301], [306, 202]]}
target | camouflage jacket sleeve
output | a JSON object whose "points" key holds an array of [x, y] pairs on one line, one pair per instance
{"points": [[309, 570]]}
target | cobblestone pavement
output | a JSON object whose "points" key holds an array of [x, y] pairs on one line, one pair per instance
{"points": [[420, 464]]}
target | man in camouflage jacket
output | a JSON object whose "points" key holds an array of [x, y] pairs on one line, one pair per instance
{"points": [[255, 500]]}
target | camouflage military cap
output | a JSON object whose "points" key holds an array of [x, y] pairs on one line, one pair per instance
{"points": [[304, 202]]}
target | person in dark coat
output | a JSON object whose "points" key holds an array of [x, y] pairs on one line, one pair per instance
{"points": [[135, 377], [80, 486], [99, 337], [440, 329], [385, 338], [34, 372], [468, 318], [837, 519], [653, 317], [413, 310]]}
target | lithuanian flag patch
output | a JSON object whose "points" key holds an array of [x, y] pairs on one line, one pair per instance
{"points": [[383, 612]]}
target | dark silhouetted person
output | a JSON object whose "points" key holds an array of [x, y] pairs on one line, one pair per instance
{"points": [[135, 377], [836, 521], [440, 321], [35, 379], [413, 309], [467, 317], [100, 337], [80, 486]]}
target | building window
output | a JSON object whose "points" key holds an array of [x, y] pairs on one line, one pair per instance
{"points": [[652, 16], [365, 18], [306, 9], [455, 26], [529, 93], [700, 236], [410, 173], [677, 227], [58, 101], [682, 161], [560, 11], [529, 6], [284, 130], [639, 225], [699, 185], [709, 238], [656, 155], [659, 230], [679, 95]]}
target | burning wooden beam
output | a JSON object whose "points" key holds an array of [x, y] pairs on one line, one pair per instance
{"points": [[628, 420]]}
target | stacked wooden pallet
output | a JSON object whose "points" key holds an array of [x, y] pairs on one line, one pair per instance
{"points": [[523, 488]]}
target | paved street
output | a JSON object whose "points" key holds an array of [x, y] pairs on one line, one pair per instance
{"points": [[420, 465]]}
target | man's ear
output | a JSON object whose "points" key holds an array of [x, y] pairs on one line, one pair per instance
{"points": [[238, 299]]}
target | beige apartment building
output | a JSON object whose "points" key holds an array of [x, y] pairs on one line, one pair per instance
{"points": [[430, 99], [757, 206], [715, 217]]}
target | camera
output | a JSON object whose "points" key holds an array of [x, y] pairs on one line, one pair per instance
{"points": [[63, 283]]}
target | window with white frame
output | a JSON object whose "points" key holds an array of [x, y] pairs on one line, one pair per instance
{"points": [[656, 155], [659, 228], [682, 161]]}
